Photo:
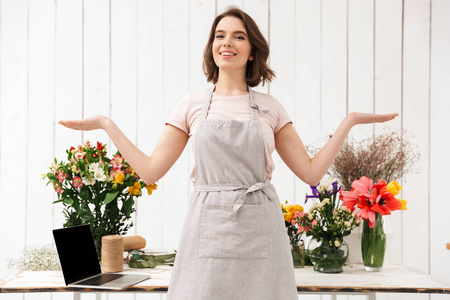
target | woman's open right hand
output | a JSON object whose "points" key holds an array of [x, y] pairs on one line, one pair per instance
{"points": [[91, 123]]}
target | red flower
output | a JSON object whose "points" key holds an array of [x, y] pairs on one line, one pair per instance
{"points": [[100, 147], [370, 199]]}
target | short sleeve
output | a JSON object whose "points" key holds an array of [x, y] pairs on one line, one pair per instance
{"points": [[179, 115], [281, 116]]}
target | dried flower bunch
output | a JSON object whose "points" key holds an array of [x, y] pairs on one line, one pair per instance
{"points": [[386, 156], [39, 258]]}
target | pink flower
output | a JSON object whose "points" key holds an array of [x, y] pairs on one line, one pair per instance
{"points": [[300, 229], [293, 222], [61, 175], [314, 223], [58, 189], [77, 182], [116, 162], [307, 229], [367, 214]]}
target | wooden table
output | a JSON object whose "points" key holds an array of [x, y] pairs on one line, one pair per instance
{"points": [[354, 280]]}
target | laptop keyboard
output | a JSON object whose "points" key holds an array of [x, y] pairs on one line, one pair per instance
{"points": [[99, 280]]}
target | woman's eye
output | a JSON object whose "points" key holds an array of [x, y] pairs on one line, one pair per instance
{"points": [[240, 38], [219, 36]]}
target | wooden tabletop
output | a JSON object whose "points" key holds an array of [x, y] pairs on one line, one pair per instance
{"points": [[393, 279]]}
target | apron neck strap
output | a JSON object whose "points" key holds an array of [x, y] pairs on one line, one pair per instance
{"points": [[208, 97]]}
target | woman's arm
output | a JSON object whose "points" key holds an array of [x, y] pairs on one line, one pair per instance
{"points": [[150, 169], [291, 149]]}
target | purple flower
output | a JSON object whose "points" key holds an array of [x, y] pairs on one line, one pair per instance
{"points": [[315, 193]]}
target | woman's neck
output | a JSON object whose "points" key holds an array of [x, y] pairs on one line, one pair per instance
{"points": [[230, 84]]}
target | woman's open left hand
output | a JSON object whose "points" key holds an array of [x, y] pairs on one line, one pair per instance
{"points": [[368, 118], [92, 123]]}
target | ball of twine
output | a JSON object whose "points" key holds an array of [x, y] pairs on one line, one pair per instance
{"points": [[112, 253]]}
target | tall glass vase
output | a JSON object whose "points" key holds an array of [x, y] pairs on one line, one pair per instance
{"points": [[373, 244]]}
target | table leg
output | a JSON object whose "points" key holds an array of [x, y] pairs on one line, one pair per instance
{"points": [[372, 296]]}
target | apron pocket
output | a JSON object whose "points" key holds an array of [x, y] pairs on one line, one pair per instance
{"points": [[243, 237]]}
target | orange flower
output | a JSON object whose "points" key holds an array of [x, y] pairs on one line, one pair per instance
{"points": [[151, 187], [135, 189]]}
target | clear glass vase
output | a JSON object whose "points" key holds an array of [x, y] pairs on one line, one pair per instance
{"points": [[373, 244], [298, 255], [326, 256]]}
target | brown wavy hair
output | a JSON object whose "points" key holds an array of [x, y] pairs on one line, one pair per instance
{"points": [[257, 70]]}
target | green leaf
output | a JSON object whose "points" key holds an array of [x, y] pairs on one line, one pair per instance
{"points": [[84, 194], [67, 200], [110, 197], [52, 177]]}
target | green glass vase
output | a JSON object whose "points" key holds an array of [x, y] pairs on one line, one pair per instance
{"points": [[373, 244]]}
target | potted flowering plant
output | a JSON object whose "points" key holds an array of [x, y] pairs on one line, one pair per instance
{"points": [[297, 245], [96, 190], [373, 202], [327, 222]]}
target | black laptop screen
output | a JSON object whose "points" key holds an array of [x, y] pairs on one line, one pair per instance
{"points": [[76, 251]]}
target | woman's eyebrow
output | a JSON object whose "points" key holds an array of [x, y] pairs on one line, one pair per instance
{"points": [[235, 32]]}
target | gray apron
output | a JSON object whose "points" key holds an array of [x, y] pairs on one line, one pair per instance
{"points": [[234, 243]]}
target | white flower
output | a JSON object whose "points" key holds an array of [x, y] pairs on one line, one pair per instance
{"points": [[335, 213], [310, 217], [319, 205], [88, 181], [99, 175], [80, 155], [311, 209], [53, 168], [326, 184], [336, 243], [109, 178], [326, 201], [358, 221], [353, 214], [347, 224], [75, 169], [93, 167]]}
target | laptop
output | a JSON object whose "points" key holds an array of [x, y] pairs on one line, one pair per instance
{"points": [[79, 262]]}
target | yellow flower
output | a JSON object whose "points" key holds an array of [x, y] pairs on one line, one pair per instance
{"points": [[119, 178], [281, 204], [403, 202], [135, 189], [151, 187], [289, 217], [393, 188], [298, 208]]}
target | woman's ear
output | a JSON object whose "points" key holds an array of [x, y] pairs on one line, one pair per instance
{"points": [[250, 58]]}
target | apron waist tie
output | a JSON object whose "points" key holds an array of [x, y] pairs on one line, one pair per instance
{"points": [[266, 187]]}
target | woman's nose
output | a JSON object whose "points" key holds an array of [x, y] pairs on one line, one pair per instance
{"points": [[226, 43]]}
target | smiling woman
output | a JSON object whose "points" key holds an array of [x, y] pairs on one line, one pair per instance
{"points": [[230, 32], [234, 243]]}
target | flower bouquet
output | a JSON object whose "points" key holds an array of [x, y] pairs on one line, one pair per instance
{"points": [[297, 245], [96, 190], [327, 222], [373, 202]]}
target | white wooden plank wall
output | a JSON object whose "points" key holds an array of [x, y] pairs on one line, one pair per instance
{"points": [[134, 60]]}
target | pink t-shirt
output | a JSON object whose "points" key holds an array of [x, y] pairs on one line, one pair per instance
{"points": [[187, 114]]}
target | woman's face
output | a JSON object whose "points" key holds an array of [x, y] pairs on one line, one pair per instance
{"points": [[231, 47]]}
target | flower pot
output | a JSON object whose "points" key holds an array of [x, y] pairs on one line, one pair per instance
{"points": [[373, 244], [326, 256]]}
